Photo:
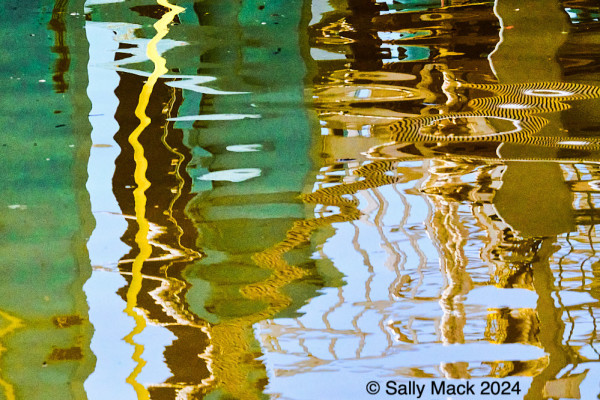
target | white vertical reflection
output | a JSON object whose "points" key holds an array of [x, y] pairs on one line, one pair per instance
{"points": [[105, 247]]}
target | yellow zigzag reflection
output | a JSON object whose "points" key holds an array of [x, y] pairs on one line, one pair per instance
{"points": [[141, 165]]}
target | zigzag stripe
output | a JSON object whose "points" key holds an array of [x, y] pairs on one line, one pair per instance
{"points": [[416, 152], [410, 129], [332, 195], [379, 167], [553, 90], [517, 106]]}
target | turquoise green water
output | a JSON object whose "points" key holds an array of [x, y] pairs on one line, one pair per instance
{"points": [[269, 199]]}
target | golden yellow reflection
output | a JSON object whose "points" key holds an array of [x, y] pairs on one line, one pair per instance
{"points": [[177, 164], [141, 165]]}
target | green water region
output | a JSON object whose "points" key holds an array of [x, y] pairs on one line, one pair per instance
{"points": [[258, 199]]}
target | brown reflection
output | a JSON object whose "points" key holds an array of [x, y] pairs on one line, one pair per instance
{"points": [[172, 236], [154, 11], [60, 48], [167, 156], [243, 284]]}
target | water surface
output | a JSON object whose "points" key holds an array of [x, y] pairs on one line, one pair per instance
{"points": [[289, 199]]}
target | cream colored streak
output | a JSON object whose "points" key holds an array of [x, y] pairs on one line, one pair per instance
{"points": [[501, 39]]}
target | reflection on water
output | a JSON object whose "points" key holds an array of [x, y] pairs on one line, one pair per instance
{"points": [[459, 200], [200, 191], [408, 191]]}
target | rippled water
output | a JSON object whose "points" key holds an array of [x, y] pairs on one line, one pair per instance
{"points": [[290, 199]]}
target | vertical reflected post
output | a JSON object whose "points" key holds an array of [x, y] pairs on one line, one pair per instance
{"points": [[141, 165], [534, 198]]}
